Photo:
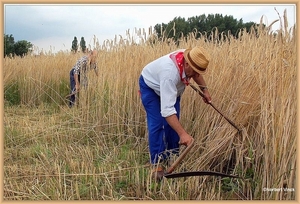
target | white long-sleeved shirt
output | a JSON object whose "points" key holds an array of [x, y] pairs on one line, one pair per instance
{"points": [[162, 75]]}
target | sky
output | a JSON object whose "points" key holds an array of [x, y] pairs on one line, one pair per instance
{"points": [[52, 27]]}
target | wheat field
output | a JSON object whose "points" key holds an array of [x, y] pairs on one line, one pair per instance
{"points": [[98, 150]]}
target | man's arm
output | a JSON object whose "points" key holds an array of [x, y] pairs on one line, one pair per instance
{"points": [[201, 82], [77, 84], [185, 138]]}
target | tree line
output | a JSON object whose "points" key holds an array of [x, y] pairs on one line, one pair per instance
{"points": [[19, 48], [177, 28], [23, 47], [75, 45]]}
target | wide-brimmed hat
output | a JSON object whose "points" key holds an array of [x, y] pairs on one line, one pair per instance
{"points": [[197, 58]]}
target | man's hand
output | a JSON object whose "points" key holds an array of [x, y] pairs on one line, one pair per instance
{"points": [[207, 97], [185, 139]]}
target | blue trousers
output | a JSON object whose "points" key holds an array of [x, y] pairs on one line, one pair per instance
{"points": [[163, 140], [72, 87]]}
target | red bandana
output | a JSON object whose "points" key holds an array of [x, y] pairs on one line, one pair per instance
{"points": [[177, 58]]}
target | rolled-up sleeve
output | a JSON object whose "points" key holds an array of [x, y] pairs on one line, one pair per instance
{"points": [[168, 95], [163, 77]]}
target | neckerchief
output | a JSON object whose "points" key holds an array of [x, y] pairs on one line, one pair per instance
{"points": [[177, 58]]}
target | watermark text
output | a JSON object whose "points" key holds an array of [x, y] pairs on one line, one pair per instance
{"points": [[279, 189]]}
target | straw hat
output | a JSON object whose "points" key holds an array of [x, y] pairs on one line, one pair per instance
{"points": [[197, 58]]}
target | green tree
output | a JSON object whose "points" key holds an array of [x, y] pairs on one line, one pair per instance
{"points": [[197, 23], [9, 42], [160, 30], [179, 27], [82, 45], [22, 47], [75, 45]]}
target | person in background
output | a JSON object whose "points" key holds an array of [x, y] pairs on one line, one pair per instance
{"points": [[162, 82], [78, 73]]}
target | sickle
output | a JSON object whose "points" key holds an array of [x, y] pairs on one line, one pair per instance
{"points": [[73, 93], [168, 173], [199, 173]]}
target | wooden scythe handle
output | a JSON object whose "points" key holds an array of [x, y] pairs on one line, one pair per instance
{"points": [[180, 158], [212, 105]]}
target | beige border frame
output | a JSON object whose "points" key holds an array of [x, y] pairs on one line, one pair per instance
{"points": [[296, 2]]}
